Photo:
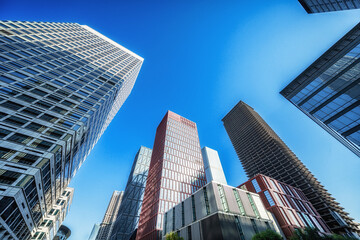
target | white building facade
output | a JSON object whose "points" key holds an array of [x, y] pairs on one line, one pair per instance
{"points": [[213, 167]]}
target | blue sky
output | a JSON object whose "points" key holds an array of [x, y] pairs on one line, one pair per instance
{"points": [[200, 60]]}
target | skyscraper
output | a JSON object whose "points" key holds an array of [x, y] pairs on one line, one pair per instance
{"points": [[261, 150], [176, 171], [61, 84], [128, 217], [213, 167], [328, 91], [110, 216], [318, 6]]}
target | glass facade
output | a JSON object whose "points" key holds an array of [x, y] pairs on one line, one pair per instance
{"points": [[129, 212], [176, 171], [329, 93], [61, 84], [318, 6]]}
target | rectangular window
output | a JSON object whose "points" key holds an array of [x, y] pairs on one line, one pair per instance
{"points": [[256, 185], [237, 221], [173, 218], [269, 198], [223, 198], [182, 214], [253, 205], [238, 200], [254, 225], [189, 233], [206, 201], [193, 207]]}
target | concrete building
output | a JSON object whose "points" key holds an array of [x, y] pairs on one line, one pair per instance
{"points": [[63, 233], [61, 85], [261, 150], [318, 6], [110, 216], [289, 205], [129, 213], [213, 167], [328, 91], [176, 171], [94, 231], [219, 212]]}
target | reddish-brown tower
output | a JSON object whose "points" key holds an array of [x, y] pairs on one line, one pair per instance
{"points": [[176, 171]]}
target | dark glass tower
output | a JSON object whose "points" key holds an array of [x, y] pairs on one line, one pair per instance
{"points": [[261, 150], [61, 84], [328, 91], [318, 6], [176, 171]]}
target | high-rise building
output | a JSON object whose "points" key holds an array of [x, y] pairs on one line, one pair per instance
{"points": [[328, 91], [219, 212], [128, 217], [289, 205], [107, 224], [61, 84], [63, 233], [318, 6], [261, 150], [94, 232], [176, 171], [213, 167]]}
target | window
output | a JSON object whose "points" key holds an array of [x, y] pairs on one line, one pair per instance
{"points": [[269, 198], [20, 138], [238, 200], [193, 207], [253, 205], [173, 218], [15, 121], [206, 201], [223, 198], [238, 224], [182, 214], [254, 225], [256, 185], [189, 237], [35, 127]]}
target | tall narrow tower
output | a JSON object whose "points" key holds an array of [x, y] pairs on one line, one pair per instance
{"points": [[176, 171], [261, 150]]}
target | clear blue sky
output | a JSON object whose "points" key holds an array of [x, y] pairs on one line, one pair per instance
{"points": [[200, 60]]}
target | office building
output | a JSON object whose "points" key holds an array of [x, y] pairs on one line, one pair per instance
{"points": [[94, 232], [319, 6], [61, 85], [107, 224], [128, 217], [261, 150], [219, 212], [63, 233], [213, 167], [289, 205], [328, 91], [176, 171]]}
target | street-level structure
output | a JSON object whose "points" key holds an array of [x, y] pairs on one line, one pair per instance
{"points": [[319, 6], [261, 150], [213, 167], [219, 212], [107, 224], [328, 91], [176, 171], [129, 212], [289, 205], [61, 84]]}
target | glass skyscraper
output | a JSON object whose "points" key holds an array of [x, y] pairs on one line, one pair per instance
{"points": [[261, 150], [318, 6], [61, 84], [176, 171], [129, 212], [328, 91]]}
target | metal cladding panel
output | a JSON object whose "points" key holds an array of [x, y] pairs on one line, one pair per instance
{"points": [[212, 199], [229, 194], [247, 228], [217, 197], [196, 230], [260, 206], [188, 211], [178, 216], [200, 204], [211, 228]]}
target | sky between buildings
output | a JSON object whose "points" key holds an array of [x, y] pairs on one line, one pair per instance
{"points": [[201, 58]]}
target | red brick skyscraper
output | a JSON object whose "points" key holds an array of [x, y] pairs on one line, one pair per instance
{"points": [[176, 171]]}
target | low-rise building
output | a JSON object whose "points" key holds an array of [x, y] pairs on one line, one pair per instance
{"points": [[218, 211]]}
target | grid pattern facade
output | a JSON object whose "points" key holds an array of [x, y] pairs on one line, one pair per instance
{"points": [[288, 204], [176, 171], [261, 150], [60, 86], [328, 91], [130, 208], [110, 216], [318, 6]]}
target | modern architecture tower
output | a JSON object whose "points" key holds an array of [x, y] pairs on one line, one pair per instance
{"points": [[328, 91], [110, 216], [213, 167], [61, 84], [129, 212], [176, 171], [318, 6], [261, 150]]}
